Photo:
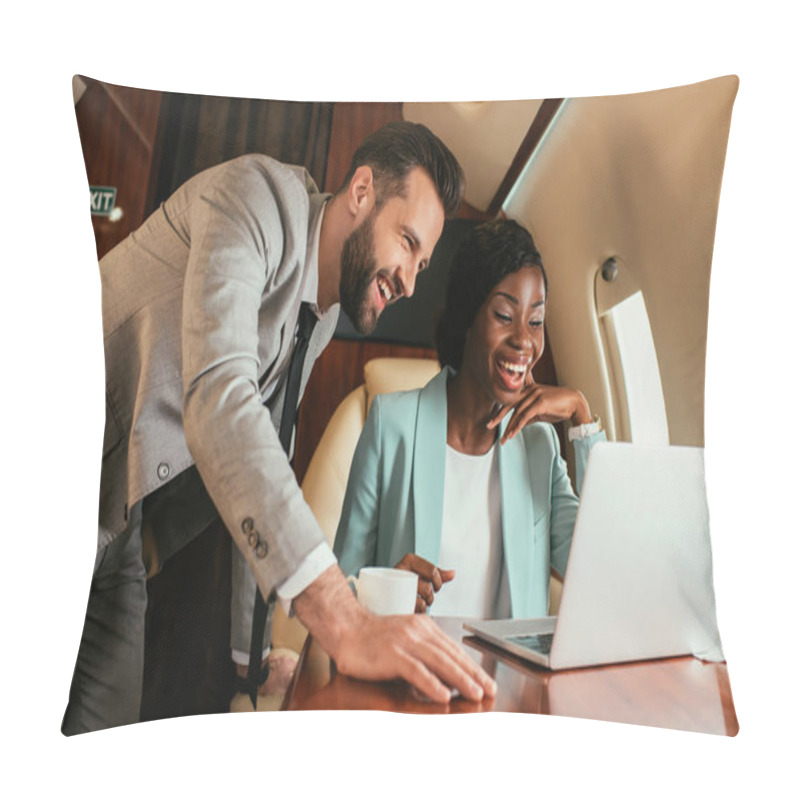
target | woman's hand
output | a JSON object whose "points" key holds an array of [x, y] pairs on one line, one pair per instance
{"points": [[430, 580], [541, 403]]}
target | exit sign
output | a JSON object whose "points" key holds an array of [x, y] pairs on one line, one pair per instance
{"points": [[102, 198]]}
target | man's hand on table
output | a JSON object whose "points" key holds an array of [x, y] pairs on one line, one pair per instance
{"points": [[384, 648]]}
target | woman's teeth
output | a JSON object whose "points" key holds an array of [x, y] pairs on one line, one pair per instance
{"points": [[518, 369]]}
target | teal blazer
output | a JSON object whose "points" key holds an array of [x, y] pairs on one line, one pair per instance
{"points": [[395, 493]]}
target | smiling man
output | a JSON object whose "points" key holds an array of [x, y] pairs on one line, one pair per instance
{"points": [[201, 311], [392, 243]]}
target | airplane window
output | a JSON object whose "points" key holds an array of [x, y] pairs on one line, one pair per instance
{"points": [[639, 400]]}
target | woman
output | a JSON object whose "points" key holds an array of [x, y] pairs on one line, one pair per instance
{"points": [[467, 472]]}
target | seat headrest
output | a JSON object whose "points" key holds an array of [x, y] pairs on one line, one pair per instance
{"points": [[383, 375]]}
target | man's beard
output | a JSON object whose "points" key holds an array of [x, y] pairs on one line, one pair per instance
{"points": [[359, 267]]}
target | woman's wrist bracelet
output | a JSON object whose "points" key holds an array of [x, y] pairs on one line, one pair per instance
{"points": [[587, 429]]}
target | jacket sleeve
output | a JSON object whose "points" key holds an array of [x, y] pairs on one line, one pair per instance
{"points": [[235, 260], [356, 539], [564, 501]]}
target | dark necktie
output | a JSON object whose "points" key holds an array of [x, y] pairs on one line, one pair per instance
{"points": [[264, 610]]}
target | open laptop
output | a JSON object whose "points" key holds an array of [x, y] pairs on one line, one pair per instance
{"points": [[638, 583]]}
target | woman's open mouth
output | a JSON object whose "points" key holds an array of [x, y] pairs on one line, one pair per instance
{"points": [[512, 373]]}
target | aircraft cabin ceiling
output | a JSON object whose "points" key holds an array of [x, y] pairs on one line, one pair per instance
{"points": [[484, 137]]}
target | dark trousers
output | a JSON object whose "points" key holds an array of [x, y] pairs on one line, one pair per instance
{"points": [[106, 688]]}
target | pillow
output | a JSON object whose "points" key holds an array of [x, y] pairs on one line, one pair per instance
{"points": [[620, 194]]}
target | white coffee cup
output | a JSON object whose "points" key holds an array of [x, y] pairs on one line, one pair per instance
{"points": [[383, 590]]}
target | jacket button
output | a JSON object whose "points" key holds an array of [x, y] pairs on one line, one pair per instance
{"points": [[248, 525], [163, 470], [252, 539], [261, 550]]}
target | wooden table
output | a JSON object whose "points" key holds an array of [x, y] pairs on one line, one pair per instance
{"points": [[682, 693]]}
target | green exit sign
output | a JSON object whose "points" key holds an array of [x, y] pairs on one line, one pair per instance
{"points": [[102, 198]]}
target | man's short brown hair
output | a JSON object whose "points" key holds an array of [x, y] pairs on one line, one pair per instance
{"points": [[397, 148]]}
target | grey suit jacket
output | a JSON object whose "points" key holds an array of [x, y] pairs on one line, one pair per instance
{"points": [[200, 307]]}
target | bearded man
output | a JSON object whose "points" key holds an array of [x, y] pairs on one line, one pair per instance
{"points": [[200, 317]]}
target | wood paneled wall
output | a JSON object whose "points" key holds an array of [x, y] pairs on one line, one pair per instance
{"points": [[117, 128], [352, 122]]}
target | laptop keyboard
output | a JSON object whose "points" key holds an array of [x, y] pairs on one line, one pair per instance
{"points": [[540, 642]]}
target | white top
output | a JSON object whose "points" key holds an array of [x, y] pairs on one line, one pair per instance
{"points": [[472, 539]]}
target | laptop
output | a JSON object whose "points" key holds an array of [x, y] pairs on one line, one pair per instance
{"points": [[638, 583]]}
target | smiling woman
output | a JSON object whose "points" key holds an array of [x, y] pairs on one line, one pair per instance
{"points": [[467, 472]]}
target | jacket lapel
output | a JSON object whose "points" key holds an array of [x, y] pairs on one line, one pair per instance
{"points": [[430, 442], [518, 540]]}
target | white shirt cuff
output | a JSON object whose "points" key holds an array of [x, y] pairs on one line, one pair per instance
{"points": [[312, 566], [583, 431]]}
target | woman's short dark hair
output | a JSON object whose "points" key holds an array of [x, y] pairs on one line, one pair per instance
{"points": [[491, 251], [394, 150]]}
